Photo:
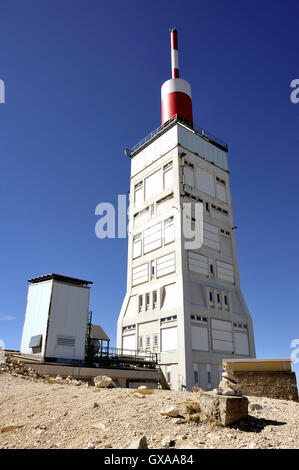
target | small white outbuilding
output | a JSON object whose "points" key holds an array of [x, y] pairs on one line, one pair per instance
{"points": [[56, 318]]}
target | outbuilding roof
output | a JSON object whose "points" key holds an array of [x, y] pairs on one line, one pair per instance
{"points": [[60, 277], [97, 332]]}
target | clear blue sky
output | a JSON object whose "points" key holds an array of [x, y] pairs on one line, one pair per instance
{"points": [[83, 82]]}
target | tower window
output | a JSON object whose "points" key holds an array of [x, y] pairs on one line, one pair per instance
{"points": [[209, 375], [211, 269], [155, 299], [147, 301], [167, 319], [148, 341], [224, 232], [199, 318], [140, 303], [211, 296], [240, 326], [207, 207], [209, 378], [153, 269], [129, 327]]}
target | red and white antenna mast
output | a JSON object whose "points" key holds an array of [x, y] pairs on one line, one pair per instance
{"points": [[174, 53], [176, 92]]}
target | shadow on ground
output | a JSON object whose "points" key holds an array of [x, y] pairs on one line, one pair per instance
{"points": [[252, 424]]}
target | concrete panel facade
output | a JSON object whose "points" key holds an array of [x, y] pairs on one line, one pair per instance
{"points": [[180, 287]]}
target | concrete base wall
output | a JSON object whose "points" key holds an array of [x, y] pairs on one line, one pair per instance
{"points": [[122, 377], [281, 385]]}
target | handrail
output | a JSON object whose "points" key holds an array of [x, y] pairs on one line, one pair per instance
{"points": [[199, 130], [152, 134], [210, 136], [144, 355]]}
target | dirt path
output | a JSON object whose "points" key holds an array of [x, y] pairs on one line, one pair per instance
{"points": [[41, 415]]}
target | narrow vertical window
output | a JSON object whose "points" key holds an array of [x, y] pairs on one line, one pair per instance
{"points": [[140, 303], [147, 296], [155, 299], [209, 375], [153, 269]]}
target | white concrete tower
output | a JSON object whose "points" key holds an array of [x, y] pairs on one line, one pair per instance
{"points": [[183, 303]]}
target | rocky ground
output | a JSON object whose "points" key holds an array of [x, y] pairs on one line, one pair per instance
{"points": [[41, 414]]}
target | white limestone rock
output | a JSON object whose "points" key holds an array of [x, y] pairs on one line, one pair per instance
{"points": [[103, 381], [170, 410], [139, 443]]}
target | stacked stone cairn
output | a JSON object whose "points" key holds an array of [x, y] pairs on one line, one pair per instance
{"points": [[228, 385]]}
